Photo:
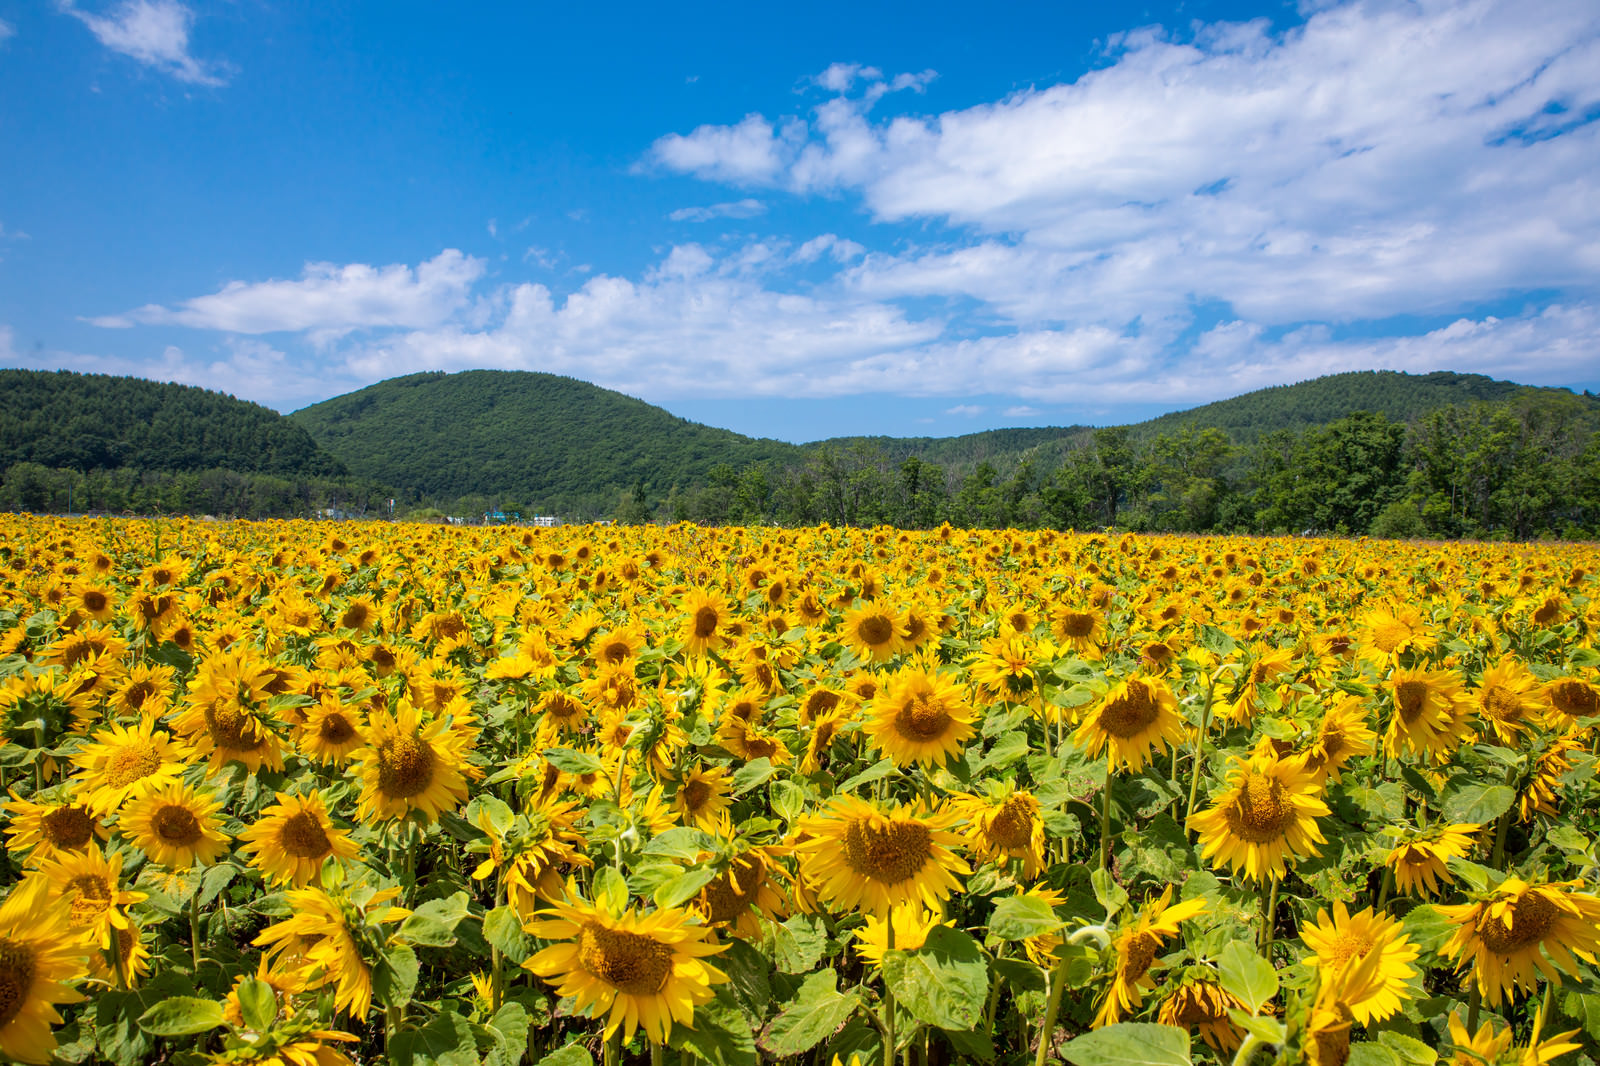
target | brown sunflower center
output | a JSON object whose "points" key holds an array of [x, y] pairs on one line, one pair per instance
{"points": [[1501, 704], [134, 762], [94, 600], [405, 767], [1411, 697], [68, 828], [705, 622], [820, 703], [1130, 713], [889, 853], [1077, 624], [1140, 953], [875, 630], [727, 901], [137, 693], [231, 728], [1532, 917], [303, 837], [1263, 810], [758, 746], [1349, 944], [562, 707], [176, 825], [1575, 698], [923, 717], [630, 962], [335, 728], [694, 794], [17, 968], [354, 617], [1012, 826], [1548, 612], [616, 651]]}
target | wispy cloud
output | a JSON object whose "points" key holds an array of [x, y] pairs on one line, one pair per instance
{"points": [[153, 32], [736, 209], [6, 31], [1021, 411], [965, 410]]}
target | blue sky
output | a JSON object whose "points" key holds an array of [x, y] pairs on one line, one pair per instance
{"points": [[807, 222]]}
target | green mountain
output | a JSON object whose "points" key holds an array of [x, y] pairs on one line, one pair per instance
{"points": [[63, 420], [522, 439]]}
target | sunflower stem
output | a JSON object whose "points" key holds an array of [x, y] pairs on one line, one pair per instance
{"points": [[657, 1056], [888, 996], [194, 929], [1105, 816], [613, 1052], [1474, 1001], [1539, 1018], [1199, 751], [1387, 886], [1058, 982], [1269, 914]]}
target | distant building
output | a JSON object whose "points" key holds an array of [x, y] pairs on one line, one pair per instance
{"points": [[501, 517], [546, 520]]}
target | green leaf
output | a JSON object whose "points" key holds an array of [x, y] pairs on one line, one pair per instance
{"points": [[1568, 839], [816, 1012], [788, 800], [748, 980], [798, 946], [942, 983], [257, 1004], [573, 762], [720, 1035], [509, 1027], [1410, 1050], [1112, 896], [1428, 928], [750, 775], [1247, 975], [499, 813], [881, 768], [215, 880], [974, 1046], [571, 1055], [1217, 642], [1264, 1028], [1129, 1044], [395, 977], [116, 1026], [181, 1016], [686, 885], [503, 929], [1007, 750], [1020, 917], [1369, 1054], [1583, 1008], [1020, 974], [1480, 804], [610, 889], [446, 1040]]}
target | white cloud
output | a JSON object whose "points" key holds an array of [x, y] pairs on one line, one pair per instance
{"points": [[6, 30], [1381, 159], [331, 300], [737, 209], [965, 410], [839, 77], [153, 32], [1022, 411]]}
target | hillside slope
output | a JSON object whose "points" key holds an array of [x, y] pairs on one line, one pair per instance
{"points": [[530, 439], [70, 421]]}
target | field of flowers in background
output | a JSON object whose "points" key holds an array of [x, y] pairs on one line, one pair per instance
{"points": [[311, 794]]}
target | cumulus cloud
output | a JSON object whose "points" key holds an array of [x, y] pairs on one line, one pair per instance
{"points": [[965, 410], [1022, 411], [153, 32], [737, 209], [329, 300]]}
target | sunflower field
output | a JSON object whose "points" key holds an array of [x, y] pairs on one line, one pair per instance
{"points": [[313, 794]]}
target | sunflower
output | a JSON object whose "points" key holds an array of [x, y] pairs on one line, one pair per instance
{"points": [[560, 713], [1427, 719], [1387, 633], [1003, 669], [1507, 698], [749, 741], [125, 761], [325, 933], [533, 853], [911, 922], [861, 857], [705, 623], [1420, 863], [920, 718], [95, 601], [175, 826], [1206, 1007], [145, 688], [1136, 947], [1133, 719], [641, 970], [39, 958], [1542, 792], [620, 647], [1266, 817], [1572, 698], [1503, 934], [745, 889], [408, 766], [227, 717], [91, 885], [1338, 939], [1489, 1046], [1005, 826], [1269, 667], [1325, 1038], [1081, 630], [47, 830], [821, 741], [702, 796], [293, 838], [874, 633], [332, 732]]}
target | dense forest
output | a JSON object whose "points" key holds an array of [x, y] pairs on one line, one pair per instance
{"points": [[1445, 455], [93, 442], [521, 440]]}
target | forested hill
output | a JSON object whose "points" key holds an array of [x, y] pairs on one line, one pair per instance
{"points": [[83, 422], [1397, 396], [536, 440]]}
